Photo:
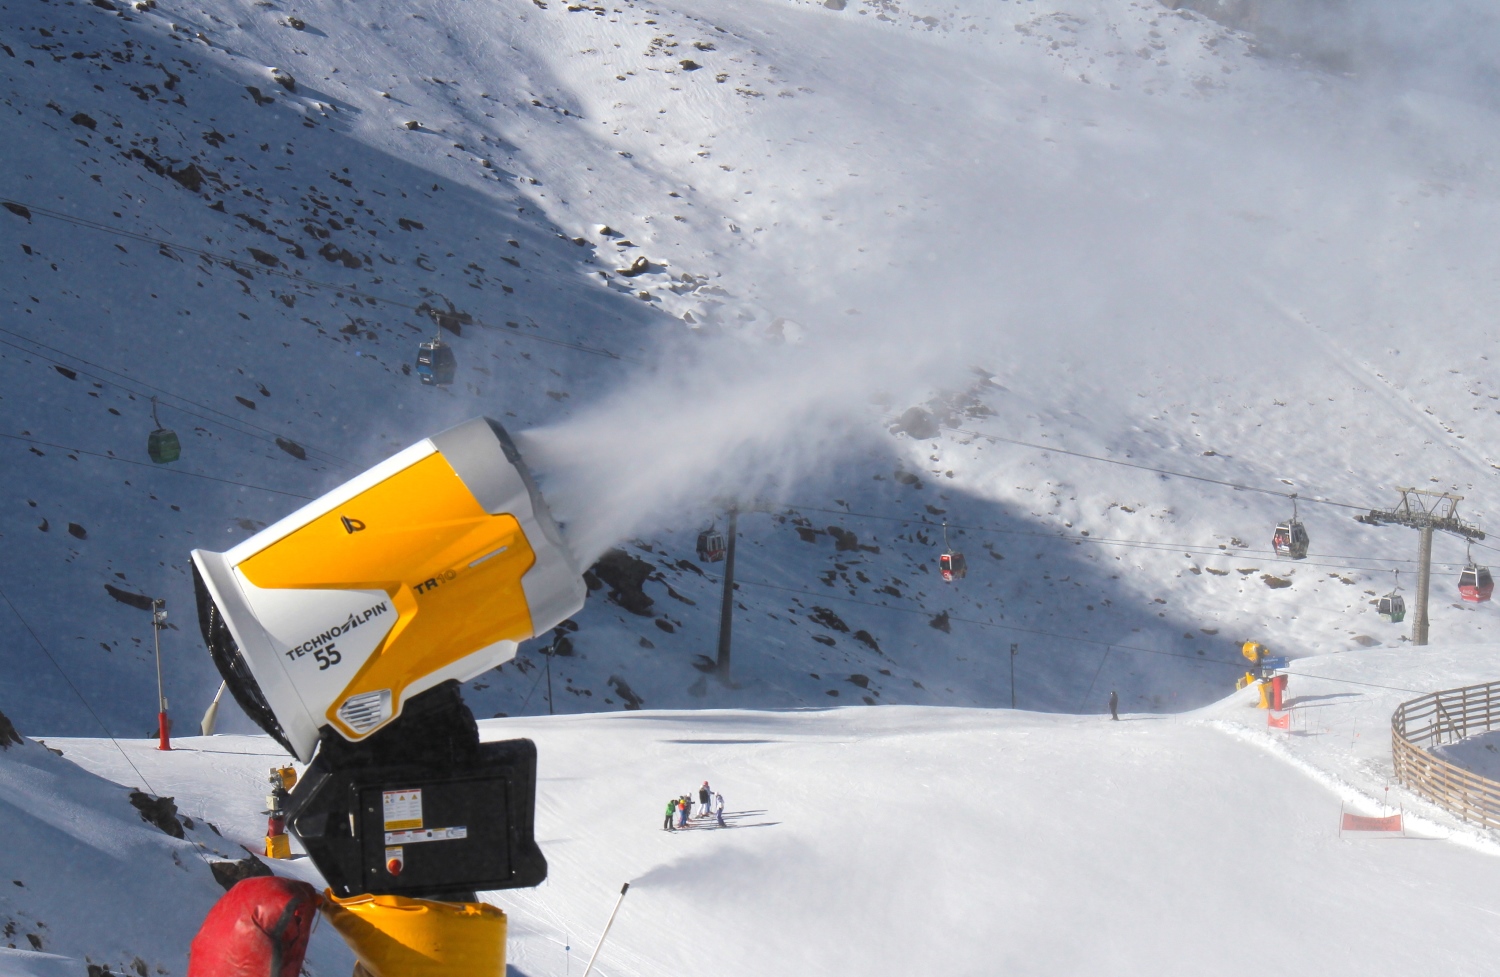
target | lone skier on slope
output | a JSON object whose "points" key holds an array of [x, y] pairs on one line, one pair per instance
{"points": [[1114, 704]]}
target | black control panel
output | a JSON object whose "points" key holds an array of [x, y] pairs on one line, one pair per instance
{"points": [[434, 816]]}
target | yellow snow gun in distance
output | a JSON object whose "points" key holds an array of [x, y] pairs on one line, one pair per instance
{"points": [[429, 567]]}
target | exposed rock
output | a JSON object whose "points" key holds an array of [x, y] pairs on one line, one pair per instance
{"points": [[625, 575], [292, 448], [160, 811], [866, 638], [228, 874], [8, 734], [626, 694], [138, 601], [863, 681], [637, 267], [941, 623], [917, 423], [828, 619]]}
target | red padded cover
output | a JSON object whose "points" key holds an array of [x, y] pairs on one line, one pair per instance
{"points": [[259, 928]]}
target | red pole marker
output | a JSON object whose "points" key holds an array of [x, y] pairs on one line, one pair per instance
{"points": [[164, 731]]}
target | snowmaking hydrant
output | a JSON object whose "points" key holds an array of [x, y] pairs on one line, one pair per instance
{"points": [[1272, 686], [282, 779], [344, 631]]}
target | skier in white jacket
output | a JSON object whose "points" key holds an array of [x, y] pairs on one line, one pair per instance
{"points": [[719, 808]]}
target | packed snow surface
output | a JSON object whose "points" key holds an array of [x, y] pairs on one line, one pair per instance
{"points": [[978, 841]]}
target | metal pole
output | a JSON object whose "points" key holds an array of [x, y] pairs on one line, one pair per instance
{"points": [[598, 946], [726, 612], [1013, 648], [549, 675], [158, 617], [1424, 580]]}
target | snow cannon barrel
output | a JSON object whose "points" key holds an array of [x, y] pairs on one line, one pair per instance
{"points": [[429, 567]]}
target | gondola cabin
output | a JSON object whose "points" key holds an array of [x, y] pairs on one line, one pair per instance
{"points": [[1391, 608], [163, 446], [1290, 539], [436, 363], [711, 546], [952, 566], [1475, 584]]}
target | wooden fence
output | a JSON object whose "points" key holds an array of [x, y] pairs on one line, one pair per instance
{"points": [[1446, 717]]}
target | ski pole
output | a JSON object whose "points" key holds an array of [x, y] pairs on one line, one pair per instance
{"points": [[623, 889]]}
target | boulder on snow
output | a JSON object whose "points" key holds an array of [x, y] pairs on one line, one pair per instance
{"points": [[625, 692], [160, 811], [828, 619], [625, 576], [227, 873], [139, 601], [8, 734], [917, 423]]}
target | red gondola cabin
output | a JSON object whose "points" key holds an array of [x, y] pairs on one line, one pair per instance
{"points": [[1475, 584]]}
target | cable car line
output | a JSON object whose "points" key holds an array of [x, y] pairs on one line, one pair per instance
{"points": [[1158, 471], [174, 471], [290, 276], [1054, 634], [1197, 549], [335, 459]]}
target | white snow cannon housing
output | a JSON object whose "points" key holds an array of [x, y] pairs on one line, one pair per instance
{"points": [[429, 567]]}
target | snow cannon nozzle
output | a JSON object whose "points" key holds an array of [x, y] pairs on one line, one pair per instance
{"points": [[457, 559]]}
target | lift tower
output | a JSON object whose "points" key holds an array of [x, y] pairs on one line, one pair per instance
{"points": [[1424, 511]]}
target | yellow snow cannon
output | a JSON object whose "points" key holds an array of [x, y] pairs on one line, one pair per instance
{"points": [[1254, 652], [429, 567]]}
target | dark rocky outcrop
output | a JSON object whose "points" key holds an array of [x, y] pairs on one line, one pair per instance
{"points": [[625, 575], [160, 811], [228, 874]]}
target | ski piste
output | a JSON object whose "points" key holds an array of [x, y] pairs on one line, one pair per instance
{"points": [[702, 259]]}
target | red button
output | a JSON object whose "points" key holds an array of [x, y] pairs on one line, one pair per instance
{"points": [[393, 866]]}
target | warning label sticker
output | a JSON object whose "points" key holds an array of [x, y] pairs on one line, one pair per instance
{"points": [[402, 808], [425, 834]]}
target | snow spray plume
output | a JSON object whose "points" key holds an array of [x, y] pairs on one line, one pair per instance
{"points": [[1073, 239], [736, 421]]}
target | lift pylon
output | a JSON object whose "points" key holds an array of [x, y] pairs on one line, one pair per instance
{"points": [[1424, 511]]}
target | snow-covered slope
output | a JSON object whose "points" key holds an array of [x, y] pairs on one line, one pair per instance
{"points": [[89, 882], [919, 839], [1152, 244]]}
